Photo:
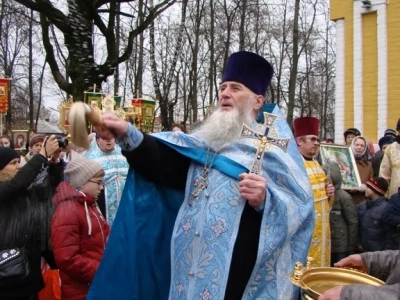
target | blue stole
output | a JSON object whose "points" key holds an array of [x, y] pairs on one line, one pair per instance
{"points": [[137, 261]]}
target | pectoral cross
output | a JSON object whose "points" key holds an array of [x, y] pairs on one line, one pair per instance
{"points": [[265, 139], [200, 184]]}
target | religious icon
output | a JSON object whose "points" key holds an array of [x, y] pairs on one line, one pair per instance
{"points": [[343, 156], [66, 115], [149, 112], [20, 138], [2, 90], [94, 104], [64, 108]]}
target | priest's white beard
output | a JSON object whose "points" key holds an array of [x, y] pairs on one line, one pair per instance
{"points": [[224, 126]]}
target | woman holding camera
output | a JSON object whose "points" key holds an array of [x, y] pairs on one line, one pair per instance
{"points": [[21, 222]]}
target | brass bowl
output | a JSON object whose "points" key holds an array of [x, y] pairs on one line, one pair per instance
{"points": [[315, 281], [319, 280]]}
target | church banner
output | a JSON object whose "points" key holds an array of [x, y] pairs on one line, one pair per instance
{"points": [[94, 99], [118, 100], [4, 87]]}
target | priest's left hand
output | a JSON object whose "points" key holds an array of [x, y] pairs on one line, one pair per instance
{"points": [[252, 187], [330, 190], [332, 294]]}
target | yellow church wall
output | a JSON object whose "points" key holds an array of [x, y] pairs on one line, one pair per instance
{"points": [[367, 67], [370, 75], [393, 37], [347, 8], [336, 9], [340, 9]]}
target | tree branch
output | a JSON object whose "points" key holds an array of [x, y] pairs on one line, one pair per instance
{"points": [[118, 13], [99, 3], [45, 7], [50, 58], [153, 13], [110, 36], [99, 23]]}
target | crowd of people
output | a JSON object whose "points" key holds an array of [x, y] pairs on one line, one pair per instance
{"points": [[222, 212]]}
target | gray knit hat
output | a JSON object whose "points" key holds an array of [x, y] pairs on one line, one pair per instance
{"points": [[80, 170]]}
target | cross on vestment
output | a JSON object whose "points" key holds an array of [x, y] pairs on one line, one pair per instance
{"points": [[201, 183], [265, 139]]}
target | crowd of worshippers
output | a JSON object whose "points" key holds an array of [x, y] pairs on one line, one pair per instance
{"points": [[58, 204], [361, 220]]}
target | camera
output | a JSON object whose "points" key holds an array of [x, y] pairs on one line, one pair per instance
{"points": [[62, 141]]}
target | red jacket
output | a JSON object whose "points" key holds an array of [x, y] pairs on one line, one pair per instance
{"points": [[79, 234]]}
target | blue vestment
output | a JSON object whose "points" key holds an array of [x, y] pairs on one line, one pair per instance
{"points": [[163, 246], [115, 167]]}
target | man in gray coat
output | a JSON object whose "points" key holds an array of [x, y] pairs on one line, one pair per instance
{"points": [[343, 217], [380, 264]]}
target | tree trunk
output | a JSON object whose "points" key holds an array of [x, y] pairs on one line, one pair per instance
{"points": [[282, 51], [140, 53], [30, 76], [117, 41], [212, 62], [40, 93], [195, 51], [229, 28], [295, 62], [242, 25]]}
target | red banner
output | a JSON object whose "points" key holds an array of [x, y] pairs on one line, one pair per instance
{"points": [[4, 86]]}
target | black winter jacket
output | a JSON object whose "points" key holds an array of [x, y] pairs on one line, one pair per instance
{"points": [[376, 162], [23, 220], [391, 218], [372, 233]]}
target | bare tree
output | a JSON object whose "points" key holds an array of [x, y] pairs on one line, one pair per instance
{"points": [[193, 74], [162, 84], [296, 53], [14, 33], [77, 29]]}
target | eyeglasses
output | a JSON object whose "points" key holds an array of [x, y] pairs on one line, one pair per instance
{"points": [[101, 183], [315, 139]]}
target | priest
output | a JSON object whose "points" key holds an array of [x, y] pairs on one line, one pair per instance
{"points": [[222, 213], [306, 131]]}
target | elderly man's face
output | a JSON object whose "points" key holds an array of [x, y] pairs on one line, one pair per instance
{"points": [[233, 95]]}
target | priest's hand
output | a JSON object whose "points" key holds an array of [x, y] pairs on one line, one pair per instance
{"points": [[330, 190], [112, 125], [332, 294], [252, 187]]}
